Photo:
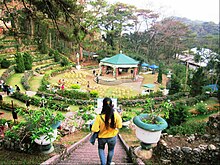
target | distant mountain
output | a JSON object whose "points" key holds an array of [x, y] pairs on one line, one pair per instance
{"points": [[199, 27]]}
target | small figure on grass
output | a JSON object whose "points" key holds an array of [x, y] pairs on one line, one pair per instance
{"points": [[17, 88]]}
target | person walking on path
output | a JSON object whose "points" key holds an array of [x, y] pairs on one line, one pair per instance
{"points": [[62, 87], [97, 79], [107, 124], [28, 102]]}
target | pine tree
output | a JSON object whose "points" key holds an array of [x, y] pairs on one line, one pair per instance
{"points": [[198, 82], [159, 77], [175, 85], [19, 68], [27, 61]]}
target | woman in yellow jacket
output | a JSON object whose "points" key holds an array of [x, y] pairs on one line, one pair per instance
{"points": [[107, 124]]}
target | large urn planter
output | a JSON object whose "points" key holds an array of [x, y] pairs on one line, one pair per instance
{"points": [[148, 133], [45, 142]]}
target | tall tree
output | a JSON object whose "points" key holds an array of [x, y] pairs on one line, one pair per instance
{"points": [[167, 41], [28, 60], [198, 82], [118, 18], [19, 68]]}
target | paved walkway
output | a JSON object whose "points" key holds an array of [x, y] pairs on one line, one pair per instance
{"points": [[87, 154]]}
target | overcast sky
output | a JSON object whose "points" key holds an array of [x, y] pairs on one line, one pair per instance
{"points": [[204, 10]]}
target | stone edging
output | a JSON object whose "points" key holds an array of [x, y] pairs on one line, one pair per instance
{"points": [[138, 161]]}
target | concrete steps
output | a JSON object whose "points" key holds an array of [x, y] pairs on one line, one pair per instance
{"points": [[87, 154]]}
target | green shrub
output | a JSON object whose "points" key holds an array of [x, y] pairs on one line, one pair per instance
{"points": [[64, 61], [73, 94], [28, 60], [159, 77], [56, 56], [201, 108], [94, 93], [188, 129], [178, 114], [75, 86], [126, 117], [161, 87], [51, 52], [5, 63], [19, 68]]}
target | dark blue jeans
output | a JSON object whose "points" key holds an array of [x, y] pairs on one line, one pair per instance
{"points": [[101, 147]]}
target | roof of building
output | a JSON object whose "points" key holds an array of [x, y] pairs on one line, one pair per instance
{"points": [[120, 59]]}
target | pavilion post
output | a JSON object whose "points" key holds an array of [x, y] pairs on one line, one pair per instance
{"points": [[116, 72], [135, 72]]}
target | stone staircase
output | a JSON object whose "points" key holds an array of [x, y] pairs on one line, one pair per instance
{"points": [[84, 153]]}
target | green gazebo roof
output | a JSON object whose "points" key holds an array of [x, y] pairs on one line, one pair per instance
{"points": [[120, 59]]}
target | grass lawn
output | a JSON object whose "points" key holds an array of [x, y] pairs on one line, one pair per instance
{"points": [[152, 78], [2, 71], [118, 91], [15, 79], [35, 82], [12, 157]]}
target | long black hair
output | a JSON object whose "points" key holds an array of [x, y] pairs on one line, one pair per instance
{"points": [[108, 110]]}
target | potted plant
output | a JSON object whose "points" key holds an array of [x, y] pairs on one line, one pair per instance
{"points": [[149, 124], [38, 126]]}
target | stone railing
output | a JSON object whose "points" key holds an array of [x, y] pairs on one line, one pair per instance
{"points": [[208, 152]]}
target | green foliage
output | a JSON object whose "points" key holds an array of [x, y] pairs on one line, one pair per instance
{"points": [[64, 61], [188, 129], [51, 52], [126, 117], [2, 122], [28, 60], [161, 87], [159, 77], [36, 123], [197, 83], [94, 93], [154, 110], [75, 86], [42, 33], [87, 113], [56, 56], [20, 67], [175, 86], [201, 108], [73, 94], [5, 63], [178, 114]]}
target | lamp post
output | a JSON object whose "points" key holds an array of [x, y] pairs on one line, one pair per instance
{"points": [[77, 66]]}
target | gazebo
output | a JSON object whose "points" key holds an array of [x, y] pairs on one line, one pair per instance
{"points": [[117, 65]]}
